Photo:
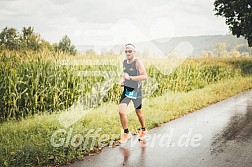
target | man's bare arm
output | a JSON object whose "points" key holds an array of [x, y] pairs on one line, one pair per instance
{"points": [[143, 73]]}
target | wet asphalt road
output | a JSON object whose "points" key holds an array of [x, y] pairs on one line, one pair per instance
{"points": [[218, 135]]}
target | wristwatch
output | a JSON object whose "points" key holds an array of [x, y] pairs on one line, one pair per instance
{"points": [[130, 78]]}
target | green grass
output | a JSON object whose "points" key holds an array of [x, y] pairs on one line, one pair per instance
{"points": [[27, 142]]}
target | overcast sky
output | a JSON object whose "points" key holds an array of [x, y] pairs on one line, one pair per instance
{"points": [[102, 22]]}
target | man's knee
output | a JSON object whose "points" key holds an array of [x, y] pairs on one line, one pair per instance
{"points": [[138, 112], [122, 108], [121, 112]]}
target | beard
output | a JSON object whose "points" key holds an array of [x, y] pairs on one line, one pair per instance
{"points": [[130, 57]]}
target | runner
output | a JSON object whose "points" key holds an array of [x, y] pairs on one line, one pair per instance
{"points": [[134, 73]]}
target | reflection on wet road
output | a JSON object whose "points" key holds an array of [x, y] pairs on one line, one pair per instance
{"points": [[218, 135]]}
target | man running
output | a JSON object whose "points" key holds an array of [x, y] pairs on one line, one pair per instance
{"points": [[134, 73]]}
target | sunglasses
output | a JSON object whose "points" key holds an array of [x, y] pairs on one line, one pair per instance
{"points": [[128, 51]]}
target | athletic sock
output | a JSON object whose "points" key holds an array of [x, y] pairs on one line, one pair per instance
{"points": [[143, 129], [126, 130]]}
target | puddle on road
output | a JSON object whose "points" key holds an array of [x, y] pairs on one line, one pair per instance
{"points": [[126, 153], [238, 129]]}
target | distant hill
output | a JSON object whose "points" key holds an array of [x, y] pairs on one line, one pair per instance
{"points": [[166, 45], [201, 43]]}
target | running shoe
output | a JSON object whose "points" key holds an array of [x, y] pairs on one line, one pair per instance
{"points": [[125, 137], [142, 134]]}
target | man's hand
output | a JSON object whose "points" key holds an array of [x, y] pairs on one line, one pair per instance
{"points": [[126, 76]]}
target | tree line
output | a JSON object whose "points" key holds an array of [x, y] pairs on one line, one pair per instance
{"points": [[28, 39]]}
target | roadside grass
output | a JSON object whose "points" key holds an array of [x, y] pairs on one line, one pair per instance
{"points": [[28, 142]]}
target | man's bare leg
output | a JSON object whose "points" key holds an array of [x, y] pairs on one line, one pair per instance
{"points": [[123, 116], [140, 117], [124, 121]]}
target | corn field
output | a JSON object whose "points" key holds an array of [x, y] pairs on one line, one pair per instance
{"points": [[34, 83]]}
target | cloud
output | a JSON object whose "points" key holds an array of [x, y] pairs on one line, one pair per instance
{"points": [[60, 2], [6, 12], [153, 18], [101, 11]]}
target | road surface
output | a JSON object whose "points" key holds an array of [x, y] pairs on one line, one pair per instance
{"points": [[218, 135]]}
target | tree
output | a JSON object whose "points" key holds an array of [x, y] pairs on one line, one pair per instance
{"points": [[238, 14], [110, 53], [221, 50], [235, 54], [9, 39], [65, 45], [244, 48], [90, 52], [45, 45], [30, 39]]}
